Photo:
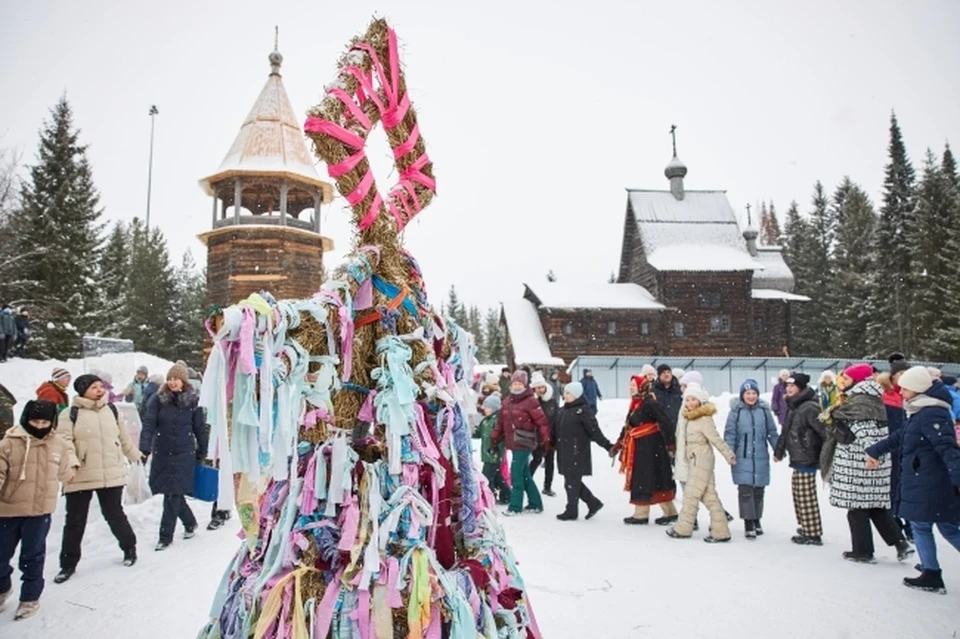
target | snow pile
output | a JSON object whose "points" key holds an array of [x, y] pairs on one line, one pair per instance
{"points": [[618, 296], [530, 345], [22, 376], [587, 579]]}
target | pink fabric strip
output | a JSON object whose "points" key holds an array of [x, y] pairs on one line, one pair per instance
{"points": [[392, 118], [372, 213], [325, 127], [351, 522], [355, 110], [405, 147], [393, 591], [327, 605], [362, 189], [347, 165], [433, 630], [363, 614]]}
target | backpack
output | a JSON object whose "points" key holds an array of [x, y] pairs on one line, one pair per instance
{"points": [[74, 410]]}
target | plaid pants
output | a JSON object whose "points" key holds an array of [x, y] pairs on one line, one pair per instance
{"points": [[805, 503]]}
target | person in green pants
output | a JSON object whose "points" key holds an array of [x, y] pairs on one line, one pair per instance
{"points": [[521, 418]]}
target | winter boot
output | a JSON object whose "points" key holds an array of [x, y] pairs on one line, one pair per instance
{"points": [[549, 492], [510, 513], [566, 516], [220, 517], [594, 509], [858, 558], [666, 520], [807, 540], [64, 575], [757, 527], [162, 545], [928, 581], [129, 557], [671, 532], [904, 550], [750, 529], [728, 516], [531, 509], [710, 539], [636, 521], [189, 533], [26, 609]]}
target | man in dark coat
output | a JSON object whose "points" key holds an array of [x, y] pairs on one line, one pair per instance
{"points": [[591, 390], [23, 332], [8, 332], [576, 428], [174, 432], [802, 438], [504, 382], [668, 394]]}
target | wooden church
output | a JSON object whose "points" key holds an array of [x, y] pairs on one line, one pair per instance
{"points": [[691, 283], [266, 195]]}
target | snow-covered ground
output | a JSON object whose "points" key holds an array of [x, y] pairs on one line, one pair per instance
{"points": [[587, 579]]}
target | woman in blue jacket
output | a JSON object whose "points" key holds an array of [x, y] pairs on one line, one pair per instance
{"points": [[750, 429], [929, 471]]}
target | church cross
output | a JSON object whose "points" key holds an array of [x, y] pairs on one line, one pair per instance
{"points": [[749, 219], [673, 134]]}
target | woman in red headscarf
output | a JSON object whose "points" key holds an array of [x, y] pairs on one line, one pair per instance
{"points": [[645, 446]]}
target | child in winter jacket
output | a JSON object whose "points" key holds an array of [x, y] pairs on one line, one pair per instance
{"points": [[697, 436], [33, 460], [492, 456]]}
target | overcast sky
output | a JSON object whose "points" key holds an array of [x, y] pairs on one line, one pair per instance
{"points": [[537, 114]]}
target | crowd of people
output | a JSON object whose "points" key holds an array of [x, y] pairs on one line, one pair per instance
{"points": [[83, 447], [14, 332], [886, 442]]}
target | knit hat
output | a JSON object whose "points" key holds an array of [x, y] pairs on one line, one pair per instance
{"points": [[679, 373], [934, 372], [538, 380], [179, 371], [859, 372], [825, 374], [144, 370], [575, 389], [800, 380], [492, 402], [59, 373], [157, 379], [39, 409], [663, 367], [648, 370], [749, 384], [698, 391], [916, 379], [491, 379], [84, 382], [949, 380], [520, 376], [898, 366], [693, 377]]}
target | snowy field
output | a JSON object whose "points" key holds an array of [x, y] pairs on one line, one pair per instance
{"points": [[586, 579]]}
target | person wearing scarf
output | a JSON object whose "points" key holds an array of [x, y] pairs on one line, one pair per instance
{"points": [[645, 449]]}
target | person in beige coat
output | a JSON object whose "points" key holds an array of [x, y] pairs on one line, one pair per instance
{"points": [[33, 462], [697, 436], [100, 447]]}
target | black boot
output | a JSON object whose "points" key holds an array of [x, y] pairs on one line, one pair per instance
{"points": [[858, 558], [129, 557], [750, 529], [567, 516], [594, 509], [63, 575], [807, 540], [928, 581], [666, 520], [904, 550], [634, 521], [758, 527]]}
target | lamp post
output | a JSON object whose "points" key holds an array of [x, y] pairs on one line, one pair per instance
{"points": [[153, 113]]}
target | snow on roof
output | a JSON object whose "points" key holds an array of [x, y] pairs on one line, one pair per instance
{"points": [[616, 296], [695, 207], [530, 345], [774, 294], [270, 142], [701, 257], [775, 274]]}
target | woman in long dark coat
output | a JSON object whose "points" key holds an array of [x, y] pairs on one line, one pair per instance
{"points": [[576, 428], [644, 446], [174, 433]]}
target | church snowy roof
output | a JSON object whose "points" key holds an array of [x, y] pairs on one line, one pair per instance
{"points": [[608, 296], [529, 343], [775, 294], [775, 274], [270, 141], [701, 257]]}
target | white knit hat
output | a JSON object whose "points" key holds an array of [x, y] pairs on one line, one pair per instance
{"points": [[648, 370], [698, 391], [538, 380], [691, 377], [916, 379]]}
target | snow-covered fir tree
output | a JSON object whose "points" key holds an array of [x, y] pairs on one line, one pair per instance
{"points": [[454, 307], [799, 251], [890, 325], [56, 234], [190, 311], [495, 338], [935, 269], [112, 278], [770, 234], [151, 293], [475, 326], [853, 269]]}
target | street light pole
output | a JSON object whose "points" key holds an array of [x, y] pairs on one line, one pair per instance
{"points": [[153, 113]]}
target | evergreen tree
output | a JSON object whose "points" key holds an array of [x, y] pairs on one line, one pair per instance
{"points": [[190, 311], [825, 298], [612, 279], [455, 308], [550, 276], [56, 234], [854, 268], [890, 326], [949, 168], [112, 278], [13, 288], [475, 326], [495, 338], [839, 197], [151, 293], [934, 268], [770, 234], [799, 253]]}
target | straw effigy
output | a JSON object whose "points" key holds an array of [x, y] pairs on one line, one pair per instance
{"points": [[342, 421]]}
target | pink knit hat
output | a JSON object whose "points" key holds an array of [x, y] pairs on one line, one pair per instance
{"points": [[859, 372]]}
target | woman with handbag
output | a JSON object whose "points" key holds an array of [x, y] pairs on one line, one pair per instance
{"points": [[856, 423], [520, 420], [645, 448]]}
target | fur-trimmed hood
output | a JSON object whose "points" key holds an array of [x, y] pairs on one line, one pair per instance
{"points": [[704, 410], [187, 397]]}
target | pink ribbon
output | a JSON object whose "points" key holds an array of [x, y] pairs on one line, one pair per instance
{"points": [[327, 606], [351, 522]]}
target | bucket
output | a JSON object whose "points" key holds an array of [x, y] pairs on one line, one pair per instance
{"points": [[205, 482]]}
